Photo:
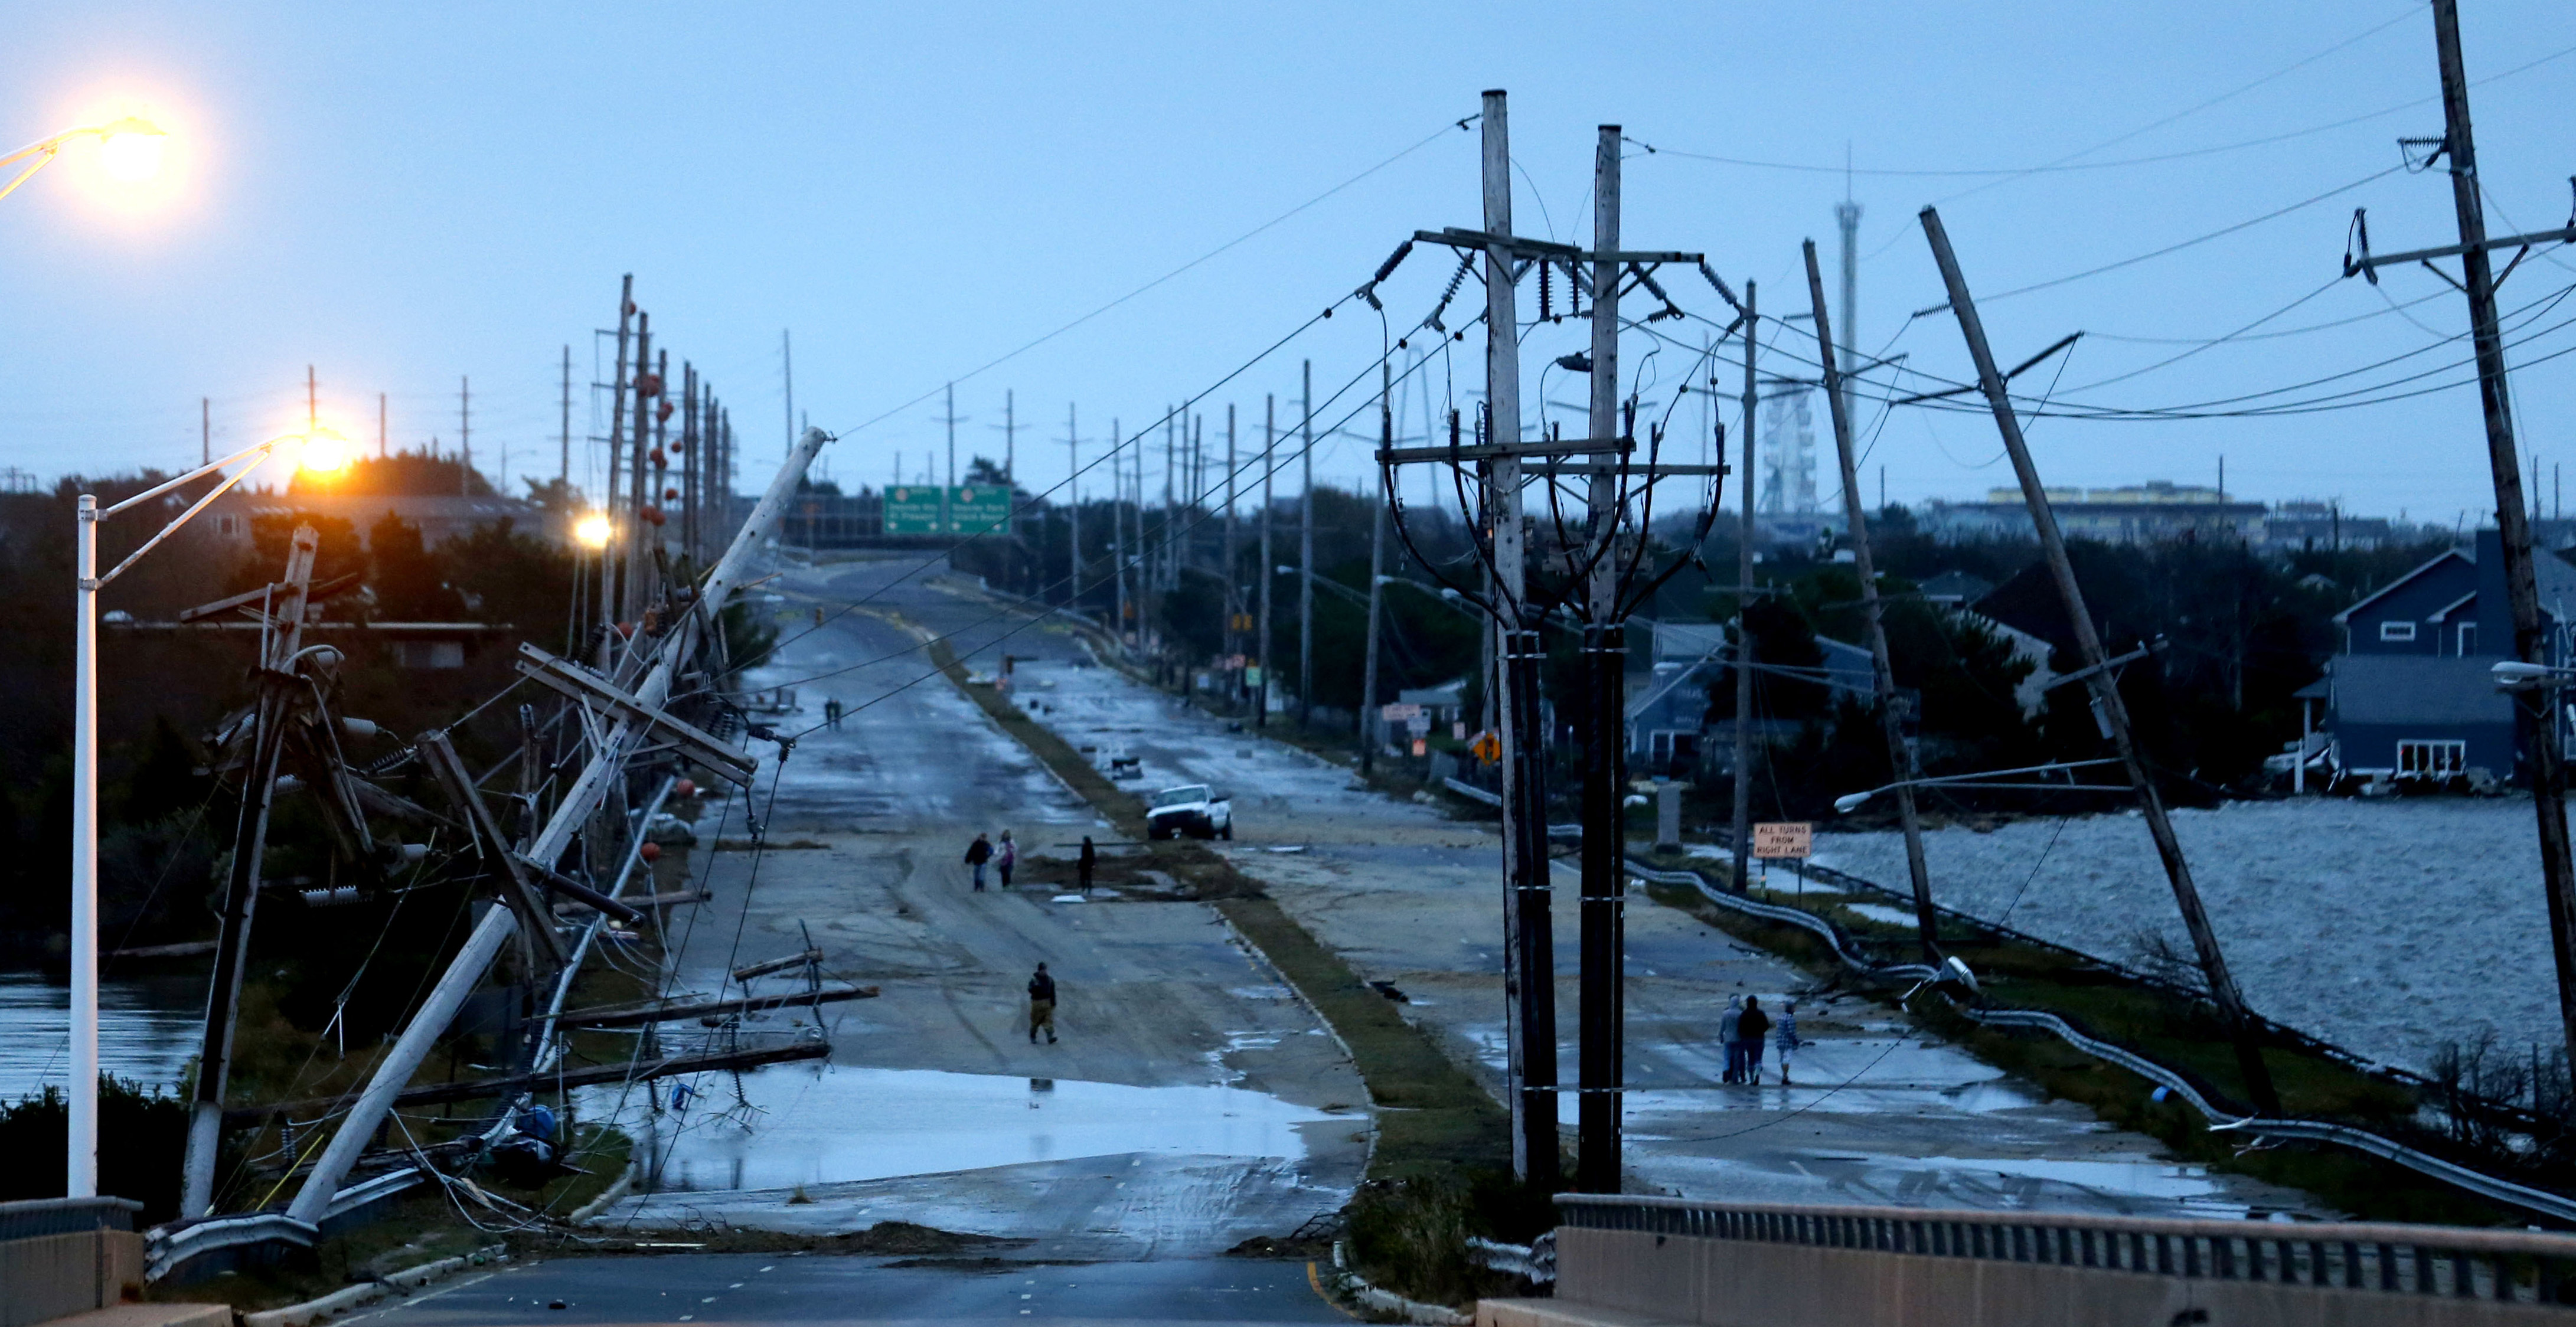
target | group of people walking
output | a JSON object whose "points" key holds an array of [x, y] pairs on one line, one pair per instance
{"points": [[983, 851], [1742, 1028]]}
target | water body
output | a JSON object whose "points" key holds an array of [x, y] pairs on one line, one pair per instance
{"points": [[148, 1027], [828, 1124]]}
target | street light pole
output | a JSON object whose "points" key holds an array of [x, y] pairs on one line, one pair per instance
{"points": [[80, 1151]]}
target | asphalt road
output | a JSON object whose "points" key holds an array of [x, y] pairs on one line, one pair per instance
{"points": [[732, 1288], [1191, 1102]]}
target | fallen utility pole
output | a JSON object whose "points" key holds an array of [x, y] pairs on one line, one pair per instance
{"points": [[602, 775], [1900, 753], [2108, 705], [480, 1089], [637, 1015]]}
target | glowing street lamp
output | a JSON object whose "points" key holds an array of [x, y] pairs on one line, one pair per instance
{"points": [[593, 530], [316, 449], [129, 151]]}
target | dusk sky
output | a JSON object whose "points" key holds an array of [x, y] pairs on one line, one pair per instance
{"points": [[403, 197]]}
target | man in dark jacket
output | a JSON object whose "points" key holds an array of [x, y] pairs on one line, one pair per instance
{"points": [[1083, 865], [1041, 1005], [978, 853], [1750, 1029]]}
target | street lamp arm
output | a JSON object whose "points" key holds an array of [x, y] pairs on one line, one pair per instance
{"points": [[267, 448], [44, 150], [173, 527]]}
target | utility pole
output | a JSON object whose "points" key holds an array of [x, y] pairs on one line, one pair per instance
{"points": [[1233, 572], [205, 431], [1368, 715], [1742, 821], [787, 371], [1118, 527], [688, 450], [630, 595], [1306, 563], [1167, 574], [1600, 1015], [312, 401], [381, 443], [1073, 511], [2535, 712], [2108, 705], [1269, 568], [947, 521], [1529, 974], [1900, 753], [563, 469], [1010, 441], [465, 436]]}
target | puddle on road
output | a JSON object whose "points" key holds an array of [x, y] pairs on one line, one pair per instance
{"points": [[835, 1123]]}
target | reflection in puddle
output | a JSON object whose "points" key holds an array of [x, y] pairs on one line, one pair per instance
{"points": [[833, 1123]]}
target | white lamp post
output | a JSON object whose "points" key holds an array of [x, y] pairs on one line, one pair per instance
{"points": [[320, 449]]}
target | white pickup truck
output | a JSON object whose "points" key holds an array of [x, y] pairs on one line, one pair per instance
{"points": [[1193, 810]]}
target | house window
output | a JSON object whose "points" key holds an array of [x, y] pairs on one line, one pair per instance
{"points": [[2396, 631], [2468, 639], [228, 527], [429, 654], [2432, 759]]}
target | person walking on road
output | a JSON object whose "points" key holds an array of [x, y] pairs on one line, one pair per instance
{"points": [[1041, 1005], [1082, 865], [1729, 1031], [1751, 1028], [1784, 1034], [978, 853], [1008, 857]]}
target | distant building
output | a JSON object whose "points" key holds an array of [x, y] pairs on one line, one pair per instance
{"points": [[2148, 513], [1955, 589], [1667, 710], [2411, 695], [2303, 526], [439, 518]]}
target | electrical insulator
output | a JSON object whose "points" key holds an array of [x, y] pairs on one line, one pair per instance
{"points": [[664, 413], [659, 460], [652, 515], [670, 495], [648, 384]]}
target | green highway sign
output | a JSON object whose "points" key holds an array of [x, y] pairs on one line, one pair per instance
{"points": [[972, 509]]}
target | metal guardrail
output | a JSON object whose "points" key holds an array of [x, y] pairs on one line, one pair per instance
{"points": [[36, 1217], [2506, 1266], [2181, 1085], [168, 1248]]}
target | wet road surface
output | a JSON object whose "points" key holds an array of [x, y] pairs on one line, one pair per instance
{"points": [[731, 1288]]}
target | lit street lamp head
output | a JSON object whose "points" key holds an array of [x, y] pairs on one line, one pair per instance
{"points": [[130, 149], [592, 530], [323, 452]]}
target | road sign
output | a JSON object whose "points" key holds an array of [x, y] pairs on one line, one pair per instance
{"points": [[1399, 713], [1487, 748], [980, 509], [1784, 838], [973, 509]]}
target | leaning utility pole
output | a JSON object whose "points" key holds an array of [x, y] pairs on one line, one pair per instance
{"points": [[1306, 561], [1900, 753], [2536, 712], [563, 471], [1369, 737], [608, 501], [1847, 220], [281, 686], [2108, 705], [1269, 569], [1600, 1011], [1742, 821]]}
